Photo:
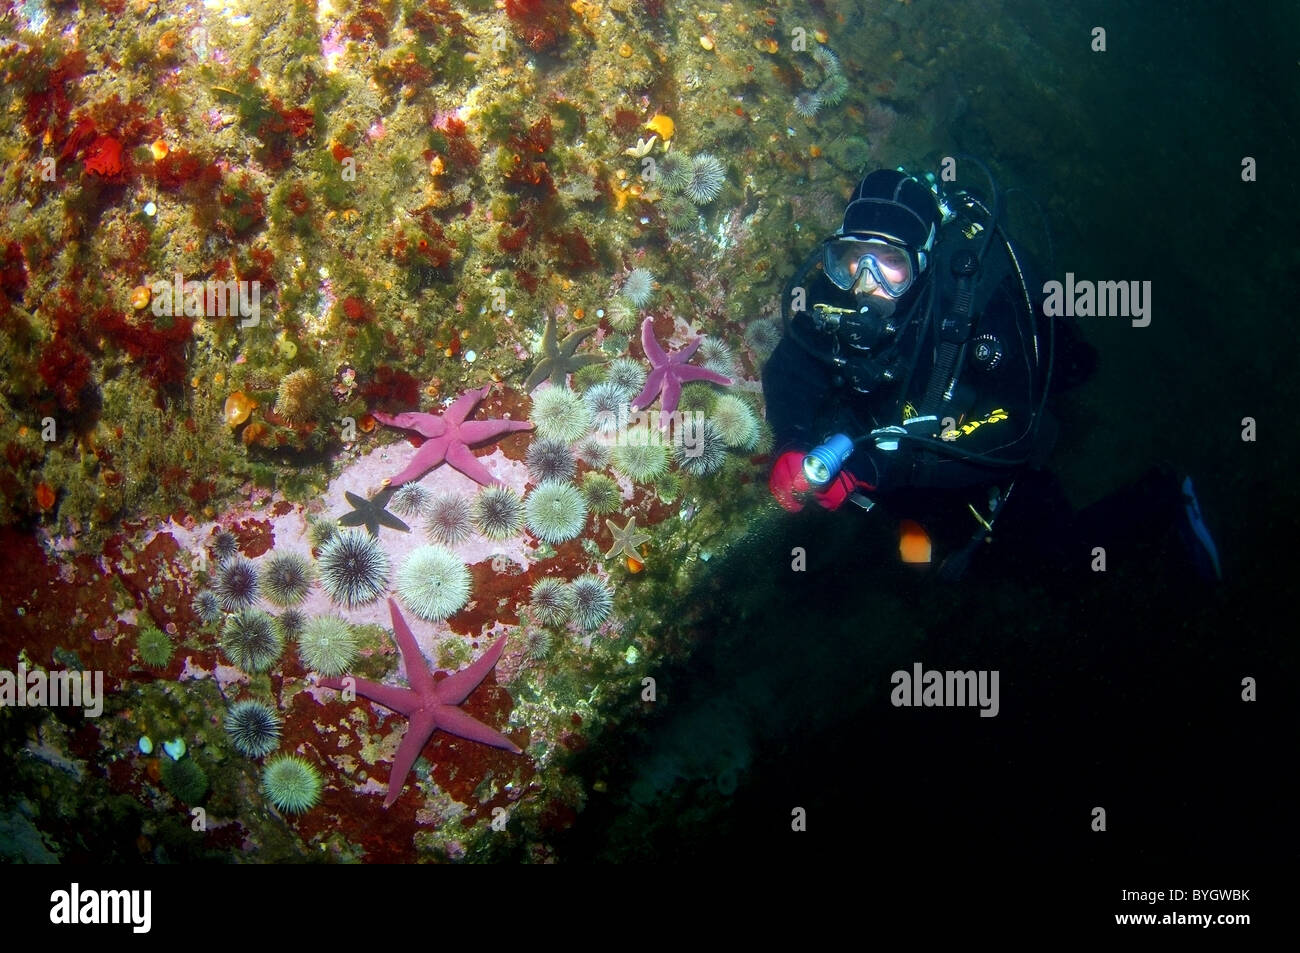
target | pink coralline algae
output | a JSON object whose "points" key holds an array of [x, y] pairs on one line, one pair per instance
{"points": [[449, 438]]}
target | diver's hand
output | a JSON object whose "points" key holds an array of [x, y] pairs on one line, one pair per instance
{"points": [[791, 488]]}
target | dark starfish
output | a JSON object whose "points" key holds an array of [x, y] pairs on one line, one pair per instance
{"points": [[372, 513], [558, 359]]}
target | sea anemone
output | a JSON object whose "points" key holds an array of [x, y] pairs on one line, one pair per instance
{"points": [[555, 512], [638, 287], [254, 728], [560, 414], [327, 645], [449, 521], [237, 585], [601, 493], [605, 400], [621, 315], [715, 354], [224, 545], [286, 579], [706, 454], [627, 375], [290, 622], [498, 512], [549, 460], [410, 500], [707, 177], [298, 396], [353, 569], [641, 463], [154, 646], [207, 606], [291, 783], [551, 600], [592, 601], [593, 452], [251, 640], [808, 103], [320, 530], [735, 422], [184, 779], [537, 644], [433, 583]]}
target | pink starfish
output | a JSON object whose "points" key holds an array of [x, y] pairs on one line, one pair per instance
{"points": [[669, 371], [449, 438], [428, 704]]}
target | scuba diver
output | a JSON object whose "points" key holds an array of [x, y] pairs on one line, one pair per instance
{"points": [[914, 372]]}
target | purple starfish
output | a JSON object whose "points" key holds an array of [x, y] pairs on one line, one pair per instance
{"points": [[449, 437], [428, 704], [669, 371]]}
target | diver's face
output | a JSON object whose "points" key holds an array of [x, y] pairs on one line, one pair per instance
{"points": [[868, 293]]}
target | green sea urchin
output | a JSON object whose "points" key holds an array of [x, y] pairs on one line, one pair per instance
{"points": [[706, 178], [594, 452], [627, 375], [154, 647], [185, 779], [286, 579], [291, 783], [735, 422], [251, 640], [498, 512], [254, 728], [551, 601], [353, 569], [606, 401], [559, 414], [601, 493], [706, 453], [410, 500], [224, 545], [555, 512], [290, 622], [433, 583], [638, 287], [641, 463], [207, 606], [592, 601], [327, 645]]}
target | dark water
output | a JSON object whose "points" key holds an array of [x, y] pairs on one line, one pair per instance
{"points": [[1120, 691]]}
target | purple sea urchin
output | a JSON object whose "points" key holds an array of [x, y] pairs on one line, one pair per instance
{"points": [[498, 512], [251, 640], [328, 645], [286, 579], [638, 287], [353, 569], [555, 512], [254, 728], [592, 601], [551, 601], [707, 177], [236, 586], [433, 583], [291, 783], [559, 414], [549, 460], [449, 521]]}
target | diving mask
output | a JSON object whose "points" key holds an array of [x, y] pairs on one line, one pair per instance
{"points": [[893, 268]]}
